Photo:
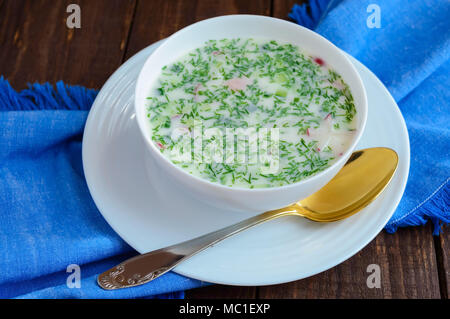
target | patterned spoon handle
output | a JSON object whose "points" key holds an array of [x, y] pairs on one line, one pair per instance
{"points": [[144, 268]]}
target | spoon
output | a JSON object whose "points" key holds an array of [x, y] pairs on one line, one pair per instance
{"points": [[359, 182]]}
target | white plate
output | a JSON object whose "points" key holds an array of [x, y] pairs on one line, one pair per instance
{"points": [[149, 213]]}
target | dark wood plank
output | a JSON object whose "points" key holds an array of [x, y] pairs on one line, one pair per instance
{"points": [[222, 292], [408, 270], [157, 19], [443, 258], [41, 48]]}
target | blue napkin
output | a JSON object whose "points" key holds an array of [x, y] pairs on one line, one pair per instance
{"points": [[410, 54], [47, 217]]}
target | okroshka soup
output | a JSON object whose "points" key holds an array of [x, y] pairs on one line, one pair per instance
{"points": [[251, 113]]}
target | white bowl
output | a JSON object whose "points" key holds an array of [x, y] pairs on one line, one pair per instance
{"points": [[246, 26]]}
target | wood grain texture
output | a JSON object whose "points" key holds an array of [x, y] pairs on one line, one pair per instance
{"points": [[157, 19], [38, 46], [407, 259], [443, 259], [407, 263]]}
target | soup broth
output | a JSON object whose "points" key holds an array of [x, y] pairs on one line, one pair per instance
{"points": [[251, 113]]}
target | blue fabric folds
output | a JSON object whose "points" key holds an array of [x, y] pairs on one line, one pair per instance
{"points": [[410, 54], [47, 217]]}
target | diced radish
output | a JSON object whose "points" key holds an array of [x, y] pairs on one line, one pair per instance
{"points": [[160, 145], [197, 88], [238, 84], [319, 61]]}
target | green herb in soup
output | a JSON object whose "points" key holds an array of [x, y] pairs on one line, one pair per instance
{"points": [[251, 113]]}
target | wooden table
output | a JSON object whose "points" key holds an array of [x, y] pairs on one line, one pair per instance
{"points": [[36, 45]]}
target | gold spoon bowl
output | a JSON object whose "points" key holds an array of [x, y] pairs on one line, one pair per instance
{"points": [[365, 175]]}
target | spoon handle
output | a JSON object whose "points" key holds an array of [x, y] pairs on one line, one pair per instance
{"points": [[144, 268]]}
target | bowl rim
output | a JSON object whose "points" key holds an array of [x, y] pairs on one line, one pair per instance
{"points": [[205, 182]]}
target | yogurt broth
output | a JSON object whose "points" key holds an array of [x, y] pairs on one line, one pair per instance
{"points": [[223, 105]]}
